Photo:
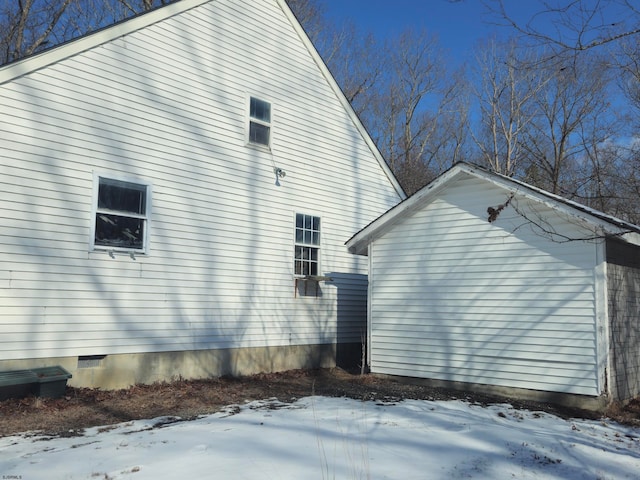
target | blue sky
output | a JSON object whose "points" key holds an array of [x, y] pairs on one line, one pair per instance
{"points": [[459, 25]]}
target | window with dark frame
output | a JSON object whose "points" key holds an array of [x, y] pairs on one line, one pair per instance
{"points": [[259, 122], [307, 245], [121, 214]]}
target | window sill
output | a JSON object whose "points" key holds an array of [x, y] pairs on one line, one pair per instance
{"points": [[112, 252], [260, 147], [314, 278]]}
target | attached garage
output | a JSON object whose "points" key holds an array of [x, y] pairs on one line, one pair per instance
{"points": [[481, 281]]}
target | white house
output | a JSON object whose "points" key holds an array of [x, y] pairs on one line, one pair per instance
{"points": [[175, 194], [479, 281]]}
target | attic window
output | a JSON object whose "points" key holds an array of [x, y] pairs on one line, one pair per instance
{"points": [[121, 214], [259, 122]]}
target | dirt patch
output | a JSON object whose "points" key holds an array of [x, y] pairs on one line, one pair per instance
{"points": [[81, 408]]}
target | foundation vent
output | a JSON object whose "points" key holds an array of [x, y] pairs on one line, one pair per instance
{"points": [[90, 361]]}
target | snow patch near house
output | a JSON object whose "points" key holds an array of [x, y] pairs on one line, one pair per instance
{"points": [[321, 437]]}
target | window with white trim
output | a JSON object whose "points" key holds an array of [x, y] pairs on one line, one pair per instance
{"points": [[307, 245], [259, 122], [121, 214]]}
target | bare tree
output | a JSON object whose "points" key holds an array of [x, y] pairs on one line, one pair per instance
{"points": [[630, 79], [415, 110], [505, 92], [135, 7], [413, 101], [593, 161], [310, 14], [627, 186], [357, 66], [454, 125], [29, 26], [571, 118], [352, 56], [598, 186], [563, 26]]}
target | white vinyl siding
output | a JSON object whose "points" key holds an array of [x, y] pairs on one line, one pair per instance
{"points": [[456, 298], [167, 104]]}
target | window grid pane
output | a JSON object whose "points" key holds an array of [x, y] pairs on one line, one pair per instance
{"points": [[307, 230], [121, 197], [307, 249], [118, 231], [259, 133], [260, 110], [306, 262]]}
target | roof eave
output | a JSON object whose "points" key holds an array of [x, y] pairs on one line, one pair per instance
{"points": [[358, 244], [608, 225], [598, 221], [74, 47]]}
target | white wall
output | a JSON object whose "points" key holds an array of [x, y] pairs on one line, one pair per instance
{"points": [[168, 104], [457, 298]]}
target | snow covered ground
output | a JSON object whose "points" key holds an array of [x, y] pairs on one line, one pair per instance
{"points": [[335, 438]]}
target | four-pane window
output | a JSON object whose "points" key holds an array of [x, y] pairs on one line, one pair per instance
{"points": [[307, 245]]}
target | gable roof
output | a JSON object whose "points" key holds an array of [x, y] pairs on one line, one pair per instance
{"points": [[65, 50], [32, 63], [359, 243]]}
